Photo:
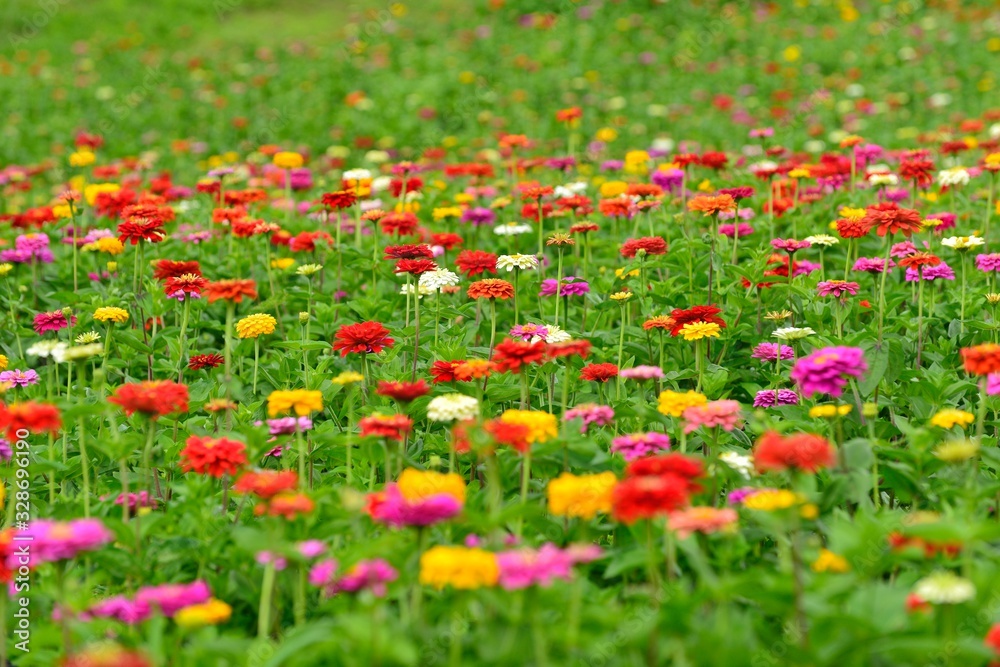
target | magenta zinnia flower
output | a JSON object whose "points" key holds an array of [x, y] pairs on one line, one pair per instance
{"points": [[52, 321], [770, 351], [827, 370], [526, 332], [288, 425], [937, 272], [987, 263], [121, 609], [571, 286], [390, 507], [637, 445], [789, 245], [53, 541], [372, 575], [522, 568], [731, 230], [768, 398]]}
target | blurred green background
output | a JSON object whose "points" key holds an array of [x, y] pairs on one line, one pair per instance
{"points": [[310, 74]]}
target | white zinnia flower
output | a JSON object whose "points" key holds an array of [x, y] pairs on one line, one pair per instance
{"points": [[511, 229], [378, 157], [963, 242], [792, 333], [77, 352], [309, 269], [944, 588], [555, 335], [452, 407], [436, 279], [411, 289], [883, 179], [570, 189], [822, 240], [381, 184], [954, 176], [511, 262], [738, 462], [356, 174], [765, 165], [89, 337], [46, 348]]}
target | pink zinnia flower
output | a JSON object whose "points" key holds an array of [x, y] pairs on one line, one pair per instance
{"points": [[637, 445], [121, 609], [993, 384], [19, 378], [789, 245], [701, 520], [871, 264], [590, 413], [390, 507], [837, 288], [52, 321], [937, 272], [522, 568], [53, 541], [171, 598], [642, 373], [827, 370], [372, 575], [770, 351], [731, 230], [987, 263], [725, 414]]}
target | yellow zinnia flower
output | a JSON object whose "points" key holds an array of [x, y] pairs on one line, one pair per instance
{"points": [[282, 263], [112, 314], [699, 330], [581, 496], [542, 426], [348, 377], [287, 160], [4, 362], [416, 485], [91, 191], [830, 562], [255, 325], [301, 401], [212, 612], [459, 567], [81, 158], [673, 403], [950, 417], [829, 411]]}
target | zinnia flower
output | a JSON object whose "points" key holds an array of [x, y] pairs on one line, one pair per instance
{"points": [[213, 456], [363, 338], [800, 452], [828, 370], [153, 399]]}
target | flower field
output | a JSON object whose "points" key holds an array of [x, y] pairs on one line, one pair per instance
{"points": [[607, 333]]}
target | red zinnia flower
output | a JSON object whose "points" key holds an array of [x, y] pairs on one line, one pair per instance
{"points": [[52, 321], [695, 314], [511, 355], [400, 224], [413, 184], [474, 262], [339, 200], [920, 171], [570, 348], [648, 496], [653, 245], [414, 266], [403, 391], [188, 284], [446, 240], [408, 251], [598, 372], [140, 229], [29, 416], [200, 361], [982, 359], [919, 259], [153, 399], [363, 337], [213, 456], [444, 371], [511, 435], [667, 464], [852, 229], [801, 451], [391, 427], [168, 268], [889, 218], [266, 483]]}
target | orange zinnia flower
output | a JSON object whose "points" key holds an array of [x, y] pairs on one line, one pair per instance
{"points": [[232, 290], [491, 288], [712, 204]]}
